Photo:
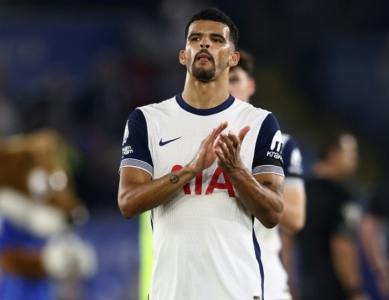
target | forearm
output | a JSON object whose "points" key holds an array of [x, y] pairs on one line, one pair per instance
{"points": [[259, 198], [374, 243], [137, 197], [293, 218], [346, 263], [20, 262]]}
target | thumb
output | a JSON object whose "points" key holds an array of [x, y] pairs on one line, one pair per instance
{"points": [[243, 132]]}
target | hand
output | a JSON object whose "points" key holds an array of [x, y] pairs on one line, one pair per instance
{"points": [[205, 155], [228, 150]]}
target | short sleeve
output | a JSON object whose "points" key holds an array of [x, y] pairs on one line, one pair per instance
{"points": [[292, 162], [268, 148], [135, 149], [347, 213]]}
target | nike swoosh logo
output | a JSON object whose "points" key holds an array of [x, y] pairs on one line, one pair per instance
{"points": [[167, 142]]}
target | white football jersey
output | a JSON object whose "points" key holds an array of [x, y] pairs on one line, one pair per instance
{"points": [[204, 246], [276, 279]]}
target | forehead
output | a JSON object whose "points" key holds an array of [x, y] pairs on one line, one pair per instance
{"points": [[238, 72], [209, 27]]}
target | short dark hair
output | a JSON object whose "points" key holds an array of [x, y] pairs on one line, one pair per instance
{"points": [[246, 62], [215, 15]]}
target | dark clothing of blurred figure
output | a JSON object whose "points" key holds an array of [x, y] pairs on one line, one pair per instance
{"points": [[374, 237], [379, 205], [330, 212]]}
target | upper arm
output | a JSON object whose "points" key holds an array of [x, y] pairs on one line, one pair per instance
{"points": [[272, 181], [294, 190], [135, 147], [267, 162], [136, 164], [295, 196], [133, 175]]}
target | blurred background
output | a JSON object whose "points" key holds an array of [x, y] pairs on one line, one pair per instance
{"points": [[81, 67]]}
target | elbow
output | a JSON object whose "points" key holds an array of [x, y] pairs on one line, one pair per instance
{"points": [[295, 227], [272, 220], [126, 208], [292, 226]]}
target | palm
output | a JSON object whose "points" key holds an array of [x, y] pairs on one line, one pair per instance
{"points": [[210, 157], [206, 156]]}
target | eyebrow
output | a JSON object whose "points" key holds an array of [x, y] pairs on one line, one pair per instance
{"points": [[212, 35]]}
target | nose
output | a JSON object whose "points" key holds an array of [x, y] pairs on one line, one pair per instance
{"points": [[205, 43]]}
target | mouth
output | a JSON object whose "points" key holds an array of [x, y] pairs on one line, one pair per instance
{"points": [[203, 57]]}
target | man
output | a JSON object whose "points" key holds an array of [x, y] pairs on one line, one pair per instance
{"points": [[328, 241], [204, 186], [373, 232], [242, 86]]}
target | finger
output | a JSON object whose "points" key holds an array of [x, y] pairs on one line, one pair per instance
{"points": [[216, 145], [223, 147], [243, 132], [227, 141], [209, 137], [220, 128], [235, 140], [220, 155]]}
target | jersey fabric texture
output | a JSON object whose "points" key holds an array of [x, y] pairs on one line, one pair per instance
{"points": [[204, 246], [276, 280], [331, 210], [14, 287]]}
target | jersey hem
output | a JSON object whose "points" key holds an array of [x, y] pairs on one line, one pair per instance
{"points": [[268, 169], [135, 163]]}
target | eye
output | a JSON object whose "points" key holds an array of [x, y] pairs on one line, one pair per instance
{"points": [[233, 80], [216, 40]]}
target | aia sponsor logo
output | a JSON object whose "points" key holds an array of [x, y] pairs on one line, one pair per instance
{"points": [[215, 183]]}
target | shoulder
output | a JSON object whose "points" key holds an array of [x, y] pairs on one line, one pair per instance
{"points": [[249, 109], [147, 113], [169, 104], [292, 156]]}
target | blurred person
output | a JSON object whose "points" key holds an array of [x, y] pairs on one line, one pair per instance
{"points": [[204, 186], [38, 211], [374, 236], [329, 258], [242, 86]]}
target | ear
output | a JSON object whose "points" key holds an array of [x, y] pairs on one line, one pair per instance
{"points": [[182, 57], [234, 59]]}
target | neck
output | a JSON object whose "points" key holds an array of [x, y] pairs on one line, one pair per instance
{"points": [[205, 95]]}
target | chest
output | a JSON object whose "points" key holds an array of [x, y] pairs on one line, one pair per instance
{"points": [[175, 138]]}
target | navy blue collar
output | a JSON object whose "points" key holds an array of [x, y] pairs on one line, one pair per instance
{"points": [[205, 112]]}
